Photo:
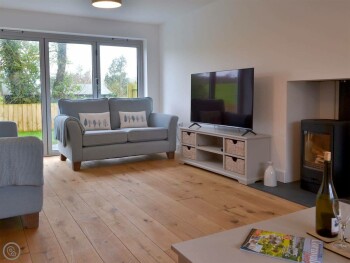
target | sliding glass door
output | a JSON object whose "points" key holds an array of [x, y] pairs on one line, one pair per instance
{"points": [[20, 85], [38, 69], [69, 76]]}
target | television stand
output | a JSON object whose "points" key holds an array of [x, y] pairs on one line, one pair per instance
{"points": [[248, 131], [226, 152], [195, 124]]}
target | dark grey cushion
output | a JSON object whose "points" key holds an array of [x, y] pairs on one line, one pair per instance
{"points": [[128, 105], [104, 137], [8, 129], [74, 107], [147, 134]]}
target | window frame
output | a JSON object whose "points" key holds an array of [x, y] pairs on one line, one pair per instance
{"points": [[96, 41]]}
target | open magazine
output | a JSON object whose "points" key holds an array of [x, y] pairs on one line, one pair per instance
{"points": [[284, 246]]}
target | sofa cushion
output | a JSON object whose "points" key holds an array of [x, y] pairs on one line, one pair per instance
{"points": [[74, 107], [147, 134], [104, 137], [128, 105], [133, 119], [95, 121]]}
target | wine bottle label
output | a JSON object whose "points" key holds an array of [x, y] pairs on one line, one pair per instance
{"points": [[335, 226]]}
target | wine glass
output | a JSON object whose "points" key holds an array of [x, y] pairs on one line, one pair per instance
{"points": [[341, 208]]}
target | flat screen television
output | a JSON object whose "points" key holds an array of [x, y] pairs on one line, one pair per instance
{"points": [[223, 98]]}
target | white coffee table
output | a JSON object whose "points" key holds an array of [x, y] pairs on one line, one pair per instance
{"points": [[224, 247]]}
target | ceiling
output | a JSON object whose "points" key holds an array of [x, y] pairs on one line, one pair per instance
{"points": [[143, 11]]}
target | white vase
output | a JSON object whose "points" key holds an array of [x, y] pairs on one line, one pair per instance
{"points": [[270, 178]]}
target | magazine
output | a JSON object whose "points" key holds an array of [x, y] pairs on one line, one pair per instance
{"points": [[284, 246]]}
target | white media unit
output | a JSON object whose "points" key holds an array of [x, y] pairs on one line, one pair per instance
{"points": [[225, 151]]}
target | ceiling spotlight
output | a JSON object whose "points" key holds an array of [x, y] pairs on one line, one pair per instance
{"points": [[107, 3]]}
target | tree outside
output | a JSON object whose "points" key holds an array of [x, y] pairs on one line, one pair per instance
{"points": [[19, 71], [65, 84], [117, 81]]}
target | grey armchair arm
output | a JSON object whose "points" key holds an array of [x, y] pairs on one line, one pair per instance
{"points": [[8, 129], [21, 161], [21, 175]]}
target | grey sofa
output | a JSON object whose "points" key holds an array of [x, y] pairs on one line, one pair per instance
{"points": [[21, 175], [78, 144]]}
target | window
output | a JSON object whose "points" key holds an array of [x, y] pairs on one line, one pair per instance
{"points": [[20, 85], [38, 69]]}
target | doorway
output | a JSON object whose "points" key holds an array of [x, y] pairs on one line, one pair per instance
{"points": [[38, 69]]}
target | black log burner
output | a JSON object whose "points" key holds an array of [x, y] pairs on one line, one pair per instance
{"points": [[318, 136]]}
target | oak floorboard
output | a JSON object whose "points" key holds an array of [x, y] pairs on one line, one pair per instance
{"points": [[163, 202], [138, 243], [91, 224], [23, 258], [132, 210], [42, 243], [152, 228], [73, 241], [225, 194], [96, 230], [150, 177], [11, 230], [229, 196]]}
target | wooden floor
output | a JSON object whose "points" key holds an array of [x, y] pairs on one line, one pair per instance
{"points": [[132, 210]]}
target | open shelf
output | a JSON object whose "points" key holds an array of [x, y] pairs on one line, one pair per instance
{"points": [[213, 149]]}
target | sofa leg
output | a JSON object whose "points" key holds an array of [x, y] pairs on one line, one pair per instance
{"points": [[76, 166], [63, 158], [170, 155], [30, 220]]}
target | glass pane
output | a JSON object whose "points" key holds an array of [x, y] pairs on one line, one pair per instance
{"points": [[70, 74], [20, 87], [118, 66], [315, 146]]}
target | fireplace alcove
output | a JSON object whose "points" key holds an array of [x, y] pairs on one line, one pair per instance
{"points": [[320, 101]]}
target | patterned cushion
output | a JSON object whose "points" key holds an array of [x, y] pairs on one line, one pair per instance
{"points": [[95, 121], [126, 105], [133, 119]]}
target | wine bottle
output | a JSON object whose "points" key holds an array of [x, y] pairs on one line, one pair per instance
{"points": [[326, 222]]}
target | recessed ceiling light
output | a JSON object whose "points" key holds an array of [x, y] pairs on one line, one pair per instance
{"points": [[107, 3]]}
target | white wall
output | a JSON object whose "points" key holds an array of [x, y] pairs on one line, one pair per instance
{"points": [[283, 40], [33, 21]]}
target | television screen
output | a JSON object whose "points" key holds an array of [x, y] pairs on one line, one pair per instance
{"points": [[223, 97]]}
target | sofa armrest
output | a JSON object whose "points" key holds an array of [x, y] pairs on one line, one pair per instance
{"points": [[21, 161], [61, 124], [163, 120], [167, 121], [73, 148]]}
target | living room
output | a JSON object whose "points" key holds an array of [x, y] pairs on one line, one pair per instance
{"points": [[286, 43]]}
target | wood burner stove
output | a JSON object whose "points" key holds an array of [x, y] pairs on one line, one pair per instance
{"points": [[318, 136]]}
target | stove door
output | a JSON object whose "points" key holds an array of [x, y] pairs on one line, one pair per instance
{"points": [[315, 144]]}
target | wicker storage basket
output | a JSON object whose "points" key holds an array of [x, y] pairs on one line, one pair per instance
{"points": [[235, 147], [188, 138], [189, 152], [235, 164]]}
